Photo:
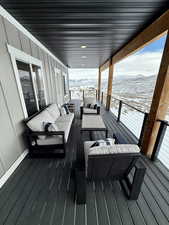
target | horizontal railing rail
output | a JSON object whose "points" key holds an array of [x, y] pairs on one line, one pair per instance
{"points": [[136, 122], [131, 117]]}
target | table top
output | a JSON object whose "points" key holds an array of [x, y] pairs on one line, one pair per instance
{"points": [[92, 122]]}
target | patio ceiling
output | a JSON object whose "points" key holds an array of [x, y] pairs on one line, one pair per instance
{"points": [[103, 26]]}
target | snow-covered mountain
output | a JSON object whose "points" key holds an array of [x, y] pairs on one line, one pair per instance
{"points": [[136, 90]]}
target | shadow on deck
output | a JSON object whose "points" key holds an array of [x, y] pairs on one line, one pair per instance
{"points": [[41, 191]]}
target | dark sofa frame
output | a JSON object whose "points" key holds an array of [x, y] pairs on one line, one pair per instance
{"points": [[35, 149], [113, 167]]}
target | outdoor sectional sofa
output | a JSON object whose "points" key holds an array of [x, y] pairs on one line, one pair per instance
{"points": [[41, 140]]}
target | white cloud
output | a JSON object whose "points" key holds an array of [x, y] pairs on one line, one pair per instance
{"points": [[144, 63], [76, 74]]}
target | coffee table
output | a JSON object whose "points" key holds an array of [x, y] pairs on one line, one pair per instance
{"points": [[92, 123]]}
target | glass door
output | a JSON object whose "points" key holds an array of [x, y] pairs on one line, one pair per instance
{"points": [[27, 87]]}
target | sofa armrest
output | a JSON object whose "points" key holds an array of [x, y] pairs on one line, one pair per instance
{"points": [[132, 186]]}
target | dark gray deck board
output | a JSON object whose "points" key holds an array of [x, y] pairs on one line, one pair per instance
{"points": [[41, 191]]}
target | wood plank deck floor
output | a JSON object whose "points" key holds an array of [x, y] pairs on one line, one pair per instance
{"points": [[40, 192]]}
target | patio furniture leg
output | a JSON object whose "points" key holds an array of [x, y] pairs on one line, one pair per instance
{"points": [[90, 135], [80, 180], [106, 133], [137, 181]]}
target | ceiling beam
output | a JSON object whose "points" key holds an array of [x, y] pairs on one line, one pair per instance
{"points": [[153, 32]]}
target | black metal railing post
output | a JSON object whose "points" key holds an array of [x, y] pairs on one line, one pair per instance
{"points": [[96, 94], [119, 111], [160, 137], [142, 129], [70, 94], [83, 95], [102, 98]]}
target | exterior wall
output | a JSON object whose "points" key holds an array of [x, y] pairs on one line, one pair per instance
{"points": [[11, 112]]}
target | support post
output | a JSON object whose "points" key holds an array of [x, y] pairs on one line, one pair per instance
{"points": [[119, 111], [102, 98], [83, 95], [159, 104], [142, 129], [109, 87], [99, 85]]}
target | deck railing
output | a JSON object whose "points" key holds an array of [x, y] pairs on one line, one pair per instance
{"points": [[134, 120], [81, 93], [161, 148], [131, 117]]}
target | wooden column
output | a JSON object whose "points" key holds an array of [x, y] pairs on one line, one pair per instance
{"points": [[109, 87], [160, 104], [99, 85]]}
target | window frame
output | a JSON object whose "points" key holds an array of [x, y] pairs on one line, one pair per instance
{"points": [[18, 55], [65, 83]]}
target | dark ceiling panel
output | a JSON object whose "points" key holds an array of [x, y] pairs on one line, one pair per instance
{"points": [[103, 26]]}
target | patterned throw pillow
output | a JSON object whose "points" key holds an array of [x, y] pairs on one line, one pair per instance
{"points": [[107, 142], [66, 108], [63, 111], [50, 127]]}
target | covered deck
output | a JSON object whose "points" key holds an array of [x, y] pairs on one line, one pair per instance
{"points": [[41, 191]]}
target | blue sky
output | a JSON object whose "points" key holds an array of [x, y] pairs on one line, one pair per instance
{"points": [[145, 62], [156, 46]]}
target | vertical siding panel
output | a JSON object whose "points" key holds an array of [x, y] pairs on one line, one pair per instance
{"points": [[15, 113], [34, 49], [12, 111], [12, 34], [41, 57], [25, 43], [48, 77]]}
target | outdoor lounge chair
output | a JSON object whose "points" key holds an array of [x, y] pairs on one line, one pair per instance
{"points": [[115, 163], [89, 106]]}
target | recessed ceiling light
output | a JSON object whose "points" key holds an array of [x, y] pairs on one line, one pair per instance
{"points": [[83, 46], [83, 57], [82, 64]]}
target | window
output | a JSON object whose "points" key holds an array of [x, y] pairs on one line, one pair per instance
{"points": [[65, 84], [39, 85], [27, 87], [29, 77]]}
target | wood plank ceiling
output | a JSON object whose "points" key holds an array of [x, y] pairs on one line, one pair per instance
{"points": [[104, 26]]}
